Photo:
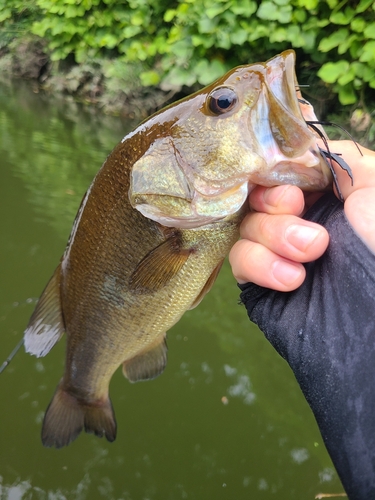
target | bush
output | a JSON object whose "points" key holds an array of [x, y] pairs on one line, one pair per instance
{"points": [[16, 18], [188, 42]]}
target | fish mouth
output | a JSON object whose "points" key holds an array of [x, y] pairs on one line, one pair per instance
{"points": [[290, 172], [200, 211], [282, 137]]}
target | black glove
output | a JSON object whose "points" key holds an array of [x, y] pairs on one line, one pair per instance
{"points": [[326, 332]]}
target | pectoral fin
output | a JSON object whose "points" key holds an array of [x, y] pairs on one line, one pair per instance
{"points": [[46, 325], [209, 284], [149, 364], [158, 267]]}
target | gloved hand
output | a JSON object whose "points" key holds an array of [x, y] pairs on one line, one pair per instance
{"points": [[320, 316]]}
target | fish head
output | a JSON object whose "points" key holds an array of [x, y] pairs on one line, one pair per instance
{"points": [[205, 153]]}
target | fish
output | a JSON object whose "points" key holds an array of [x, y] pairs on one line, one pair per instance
{"points": [[154, 228]]}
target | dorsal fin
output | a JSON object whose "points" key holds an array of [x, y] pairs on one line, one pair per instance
{"points": [[46, 325], [159, 266], [148, 364]]}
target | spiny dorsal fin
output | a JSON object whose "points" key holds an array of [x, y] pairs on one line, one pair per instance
{"points": [[207, 287], [149, 364], [46, 325], [159, 266]]}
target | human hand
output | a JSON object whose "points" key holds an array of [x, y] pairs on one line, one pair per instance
{"points": [[324, 326], [276, 241]]}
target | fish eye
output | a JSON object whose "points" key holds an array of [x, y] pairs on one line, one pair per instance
{"points": [[222, 100]]}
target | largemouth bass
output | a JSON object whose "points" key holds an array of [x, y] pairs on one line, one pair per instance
{"points": [[153, 230]]}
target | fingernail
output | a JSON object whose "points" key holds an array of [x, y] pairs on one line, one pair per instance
{"points": [[301, 237], [286, 272]]}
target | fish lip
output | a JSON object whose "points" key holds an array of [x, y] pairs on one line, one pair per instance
{"points": [[313, 177], [187, 222], [280, 70], [198, 218]]}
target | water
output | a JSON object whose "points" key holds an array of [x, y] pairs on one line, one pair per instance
{"points": [[226, 420]]}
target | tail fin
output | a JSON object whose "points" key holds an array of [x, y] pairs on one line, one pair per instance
{"points": [[66, 417]]}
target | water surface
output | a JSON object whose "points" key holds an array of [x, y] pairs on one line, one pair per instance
{"points": [[226, 420]]}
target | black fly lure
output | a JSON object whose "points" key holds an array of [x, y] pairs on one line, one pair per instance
{"points": [[328, 155]]}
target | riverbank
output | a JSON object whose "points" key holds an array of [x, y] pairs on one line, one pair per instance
{"points": [[116, 89], [104, 83]]}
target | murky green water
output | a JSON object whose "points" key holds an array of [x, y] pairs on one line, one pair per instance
{"points": [[177, 439]]}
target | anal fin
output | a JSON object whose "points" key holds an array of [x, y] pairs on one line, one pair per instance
{"points": [[148, 364], [46, 325]]}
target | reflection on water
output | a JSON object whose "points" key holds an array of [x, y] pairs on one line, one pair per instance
{"points": [[56, 148], [225, 421]]}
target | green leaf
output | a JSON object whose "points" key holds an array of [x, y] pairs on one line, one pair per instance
{"points": [[368, 52], [178, 77], [267, 11], [149, 78], [346, 77], [342, 17], [40, 27], [358, 24], [299, 15], [201, 40], [370, 31], [109, 41], [332, 3], [169, 15], [207, 72], [308, 4], [138, 19], [239, 36], [5, 14], [285, 14], [278, 35], [347, 95], [346, 44], [245, 8], [207, 25], [333, 40], [223, 39], [331, 71], [363, 5], [355, 49], [131, 31], [215, 10], [74, 11], [259, 31], [182, 49]]}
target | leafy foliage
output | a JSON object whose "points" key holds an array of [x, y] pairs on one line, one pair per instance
{"points": [[188, 42], [16, 17]]}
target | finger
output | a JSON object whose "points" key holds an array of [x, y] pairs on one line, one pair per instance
{"points": [[363, 171], [255, 263], [361, 165], [359, 210], [276, 200], [286, 235]]}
